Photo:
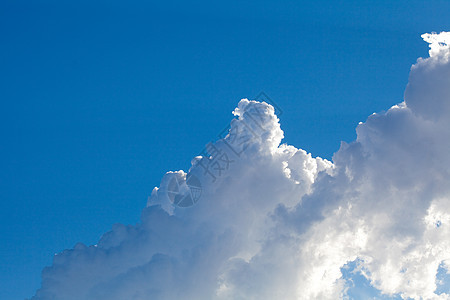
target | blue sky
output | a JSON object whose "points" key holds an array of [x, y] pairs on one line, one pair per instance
{"points": [[98, 101]]}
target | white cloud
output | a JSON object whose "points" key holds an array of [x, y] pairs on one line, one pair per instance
{"points": [[271, 222]]}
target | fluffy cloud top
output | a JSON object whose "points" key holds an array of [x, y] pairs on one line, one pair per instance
{"points": [[256, 219]]}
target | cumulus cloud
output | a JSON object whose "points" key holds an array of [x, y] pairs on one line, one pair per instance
{"points": [[257, 219]]}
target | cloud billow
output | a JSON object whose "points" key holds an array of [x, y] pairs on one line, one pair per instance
{"points": [[257, 219]]}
